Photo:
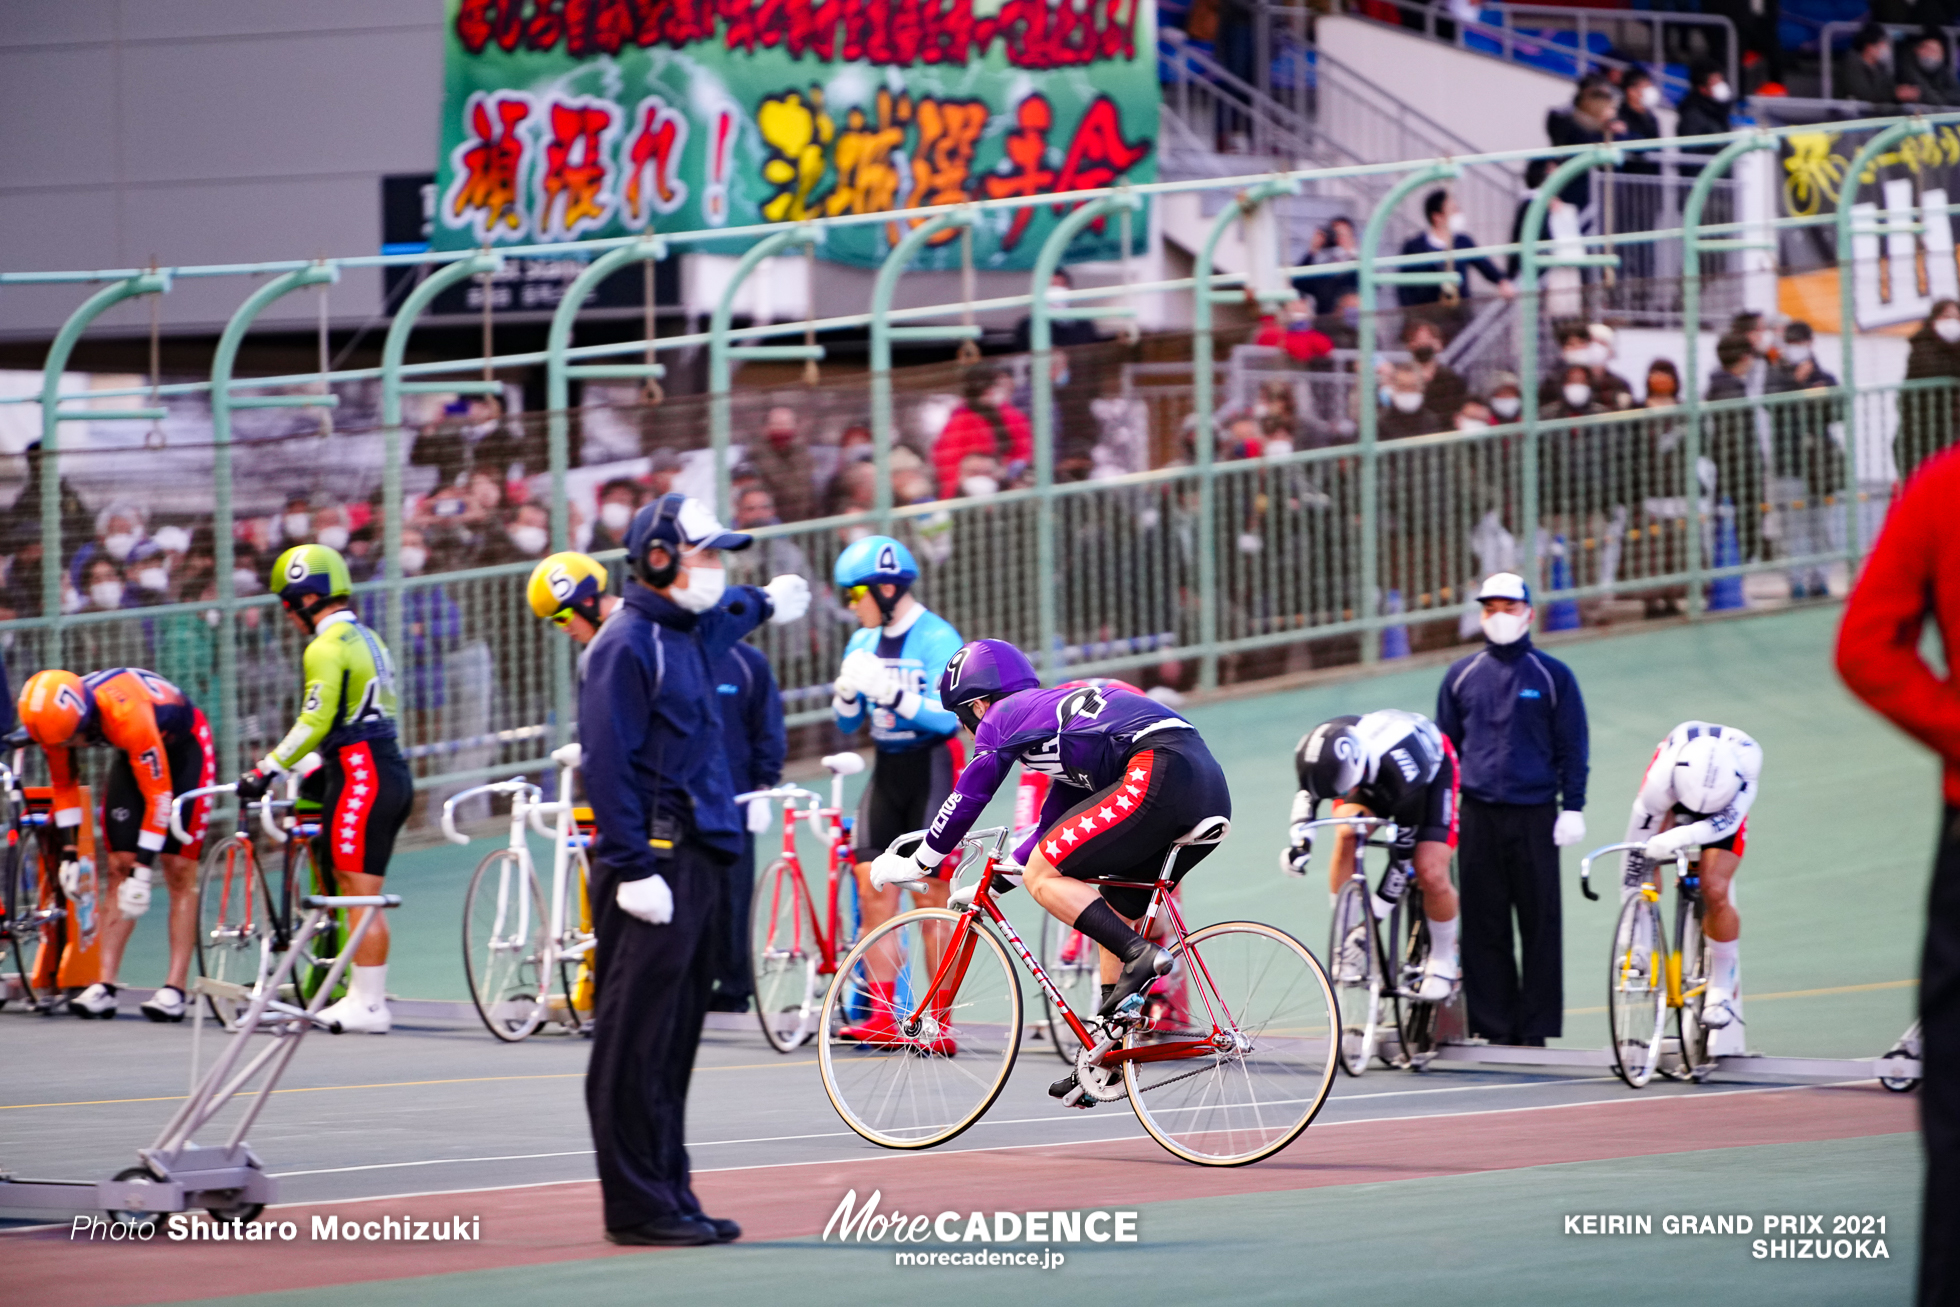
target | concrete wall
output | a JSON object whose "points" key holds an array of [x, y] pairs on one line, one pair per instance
{"points": [[206, 131], [1489, 103]]}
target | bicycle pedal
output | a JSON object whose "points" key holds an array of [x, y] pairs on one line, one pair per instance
{"points": [[1130, 1009]]}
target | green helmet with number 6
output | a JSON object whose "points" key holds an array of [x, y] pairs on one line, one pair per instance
{"points": [[307, 576]]}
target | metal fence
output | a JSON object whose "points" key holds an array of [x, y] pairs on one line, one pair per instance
{"points": [[1202, 564]]}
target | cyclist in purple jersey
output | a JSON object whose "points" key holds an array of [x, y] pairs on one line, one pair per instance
{"points": [[1130, 778]]}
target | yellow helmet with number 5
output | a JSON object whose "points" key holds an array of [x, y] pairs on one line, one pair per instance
{"points": [[564, 584]]}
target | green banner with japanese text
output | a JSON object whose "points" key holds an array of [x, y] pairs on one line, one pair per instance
{"points": [[572, 119]]}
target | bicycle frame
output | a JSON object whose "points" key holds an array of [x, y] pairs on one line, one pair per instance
{"points": [[959, 954], [827, 822], [1687, 894]]}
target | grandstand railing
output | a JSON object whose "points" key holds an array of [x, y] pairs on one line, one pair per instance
{"points": [[1204, 560]]}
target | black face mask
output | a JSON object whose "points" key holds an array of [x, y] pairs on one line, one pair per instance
{"points": [[1423, 353]]}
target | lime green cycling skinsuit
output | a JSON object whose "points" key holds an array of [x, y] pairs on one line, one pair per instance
{"points": [[348, 715]]}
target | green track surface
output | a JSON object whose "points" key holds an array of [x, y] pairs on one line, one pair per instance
{"points": [[1492, 1237], [1832, 892]]}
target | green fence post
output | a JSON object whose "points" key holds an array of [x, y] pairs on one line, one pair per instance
{"points": [[393, 348], [1530, 263], [149, 283], [1202, 299], [1848, 320], [1368, 410], [1692, 248], [883, 334], [1041, 316], [559, 372], [223, 402], [722, 354]]}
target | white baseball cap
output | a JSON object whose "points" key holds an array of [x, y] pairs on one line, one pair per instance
{"points": [[1504, 585]]}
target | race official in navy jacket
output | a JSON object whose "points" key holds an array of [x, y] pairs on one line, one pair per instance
{"points": [[657, 777], [753, 736], [1518, 722]]}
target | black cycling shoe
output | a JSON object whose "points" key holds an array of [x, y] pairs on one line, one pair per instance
{"points": [[1061, 1088], [1135, 979]]}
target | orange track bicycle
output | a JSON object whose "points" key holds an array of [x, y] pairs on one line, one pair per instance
{"points": [[1236, 1082]]}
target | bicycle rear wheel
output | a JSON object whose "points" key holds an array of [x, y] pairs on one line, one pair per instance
{"points": [[234, 920], [1275, 1043], [1694, 992], [1636, 992], [317, 956], [783, 956], [504, 925], [1073, 961], [1355, 952], [945, 1067]]}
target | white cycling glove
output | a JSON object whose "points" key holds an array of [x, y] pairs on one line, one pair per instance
{"points": [[1665, 845], [1570, 828], [889, 869], [133, 896], [760, 814], [895, 696], [863, 673], [790, 596], [650, 900]]}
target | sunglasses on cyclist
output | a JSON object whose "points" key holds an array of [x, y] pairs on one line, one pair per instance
{"points": [[856, 592], [562, 618]]}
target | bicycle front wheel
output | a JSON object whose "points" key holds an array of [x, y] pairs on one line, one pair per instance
{"points": [[504, 927], [1636, 992], [1352, 945], [946, 1056], [1073, 961], [783, 956], [233, 922], [1274, 1044]]}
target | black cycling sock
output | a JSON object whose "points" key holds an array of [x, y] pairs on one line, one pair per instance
{"points": [[1100, 923]]}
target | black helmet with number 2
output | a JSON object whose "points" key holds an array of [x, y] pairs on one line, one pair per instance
{"points": [[1330, 759]]}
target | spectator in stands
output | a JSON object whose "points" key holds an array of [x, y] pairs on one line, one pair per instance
{"points": [[1806, 464], [509, 448], [1589, 120], [1062, 332], [1343, 325], [103, 588], [1734, 446], [619, 499], [663, 468], [488, 499], [1473, 415], [1865, 72], [986, 423], [1334, 243], [1927, 416], [857, 492], [1535, 174], [1704, 110], [1574, 396], [1405, 413], [76, 520], [1295, 334], [1656, 483], [854, 448], [776, 555], [1447, 230], [1589, 346], [20, 544], [525, 537], [1443, 390], [784, 465], [1642, 95], [912, 484], [1506, 397], [1926, 78]]}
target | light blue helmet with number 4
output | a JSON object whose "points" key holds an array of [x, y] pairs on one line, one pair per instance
{"points": [[875, 560]]}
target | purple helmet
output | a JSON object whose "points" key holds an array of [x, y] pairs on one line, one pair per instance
{"points": [[984, 669]]}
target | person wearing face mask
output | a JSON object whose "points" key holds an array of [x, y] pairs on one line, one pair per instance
{"points": [[986, 424], [1865, 72], [1334, 243], [783, 463], [1928, 418], [1734, 444], [523, 539], [104, 589], [1926, 72], [1443, 388], [889, 677], [657, 777], [1506, 397], [1518, 723], [1704, 110], [1445, 229], [619, 499], [1806, 462], [1295, 333], [1591, 119], [1403, 412]]}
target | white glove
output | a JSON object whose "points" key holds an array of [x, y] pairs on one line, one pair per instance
{"points": [[1665, 845], [790, 594], [133, 896], [889, 869], [1570, 828], [650, 900], [760, 814], [894, 695], [863, 672]]}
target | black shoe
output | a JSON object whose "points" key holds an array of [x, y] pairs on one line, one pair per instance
{"points": [[1136, 978], [726, 1231], [1061, 1088], [667, 1232], [729, 1003]]}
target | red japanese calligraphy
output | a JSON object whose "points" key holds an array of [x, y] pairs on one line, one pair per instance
{"points": [[574, 190], [949, 132], [1021, 171], [488, 166], [652, 156], [1098, 154]]}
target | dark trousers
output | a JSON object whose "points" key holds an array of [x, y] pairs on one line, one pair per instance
{"points": [[735, 979], [1506, 865], [1939, 1087], [654, 983]]}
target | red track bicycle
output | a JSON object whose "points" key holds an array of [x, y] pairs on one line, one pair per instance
{"points": [[1235, 1082], [793, 948]]}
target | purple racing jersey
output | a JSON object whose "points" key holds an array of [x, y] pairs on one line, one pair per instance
{"points": [[1080, 737]]}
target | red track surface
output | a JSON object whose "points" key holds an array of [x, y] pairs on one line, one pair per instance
{"points": [[555, 1223]]}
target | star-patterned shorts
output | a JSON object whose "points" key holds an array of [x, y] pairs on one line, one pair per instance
{"points": [[368, 793], [1122, 832]]}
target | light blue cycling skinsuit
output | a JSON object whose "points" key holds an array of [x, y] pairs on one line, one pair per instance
{"points": [[918, 755]]}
